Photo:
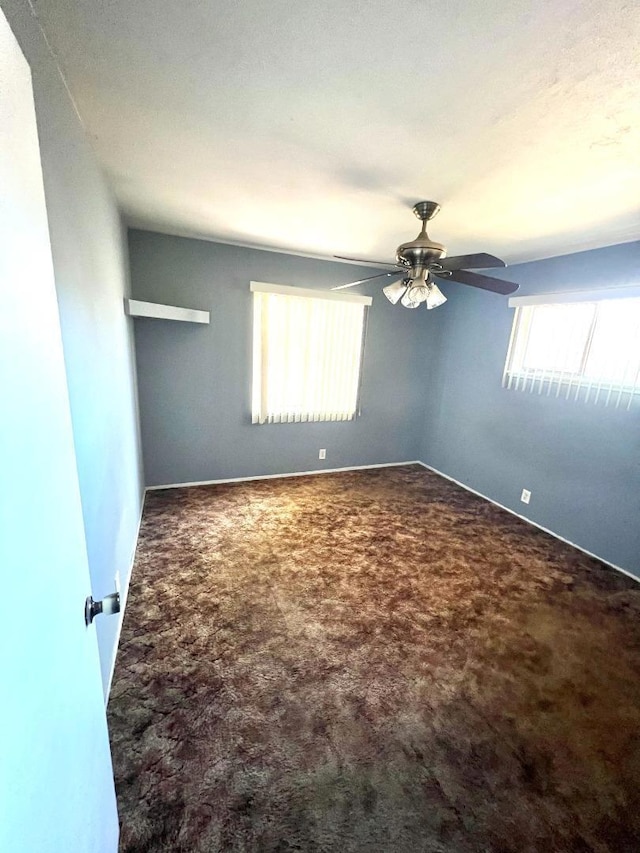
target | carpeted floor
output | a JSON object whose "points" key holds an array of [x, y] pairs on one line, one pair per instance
{"points": [[372, 661]]}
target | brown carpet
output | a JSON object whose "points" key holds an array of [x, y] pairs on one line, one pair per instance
{"points": [[372, 661]]}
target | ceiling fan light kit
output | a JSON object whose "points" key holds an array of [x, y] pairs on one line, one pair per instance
{"points": [[415, 294], [419, 260]]}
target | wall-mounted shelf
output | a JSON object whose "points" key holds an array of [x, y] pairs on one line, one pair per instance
{"points": [[136, 308]]}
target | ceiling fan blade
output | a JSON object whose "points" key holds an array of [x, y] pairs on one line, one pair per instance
{"points": [[484, 282], [471, 262], [366, 263], [395, 274]]}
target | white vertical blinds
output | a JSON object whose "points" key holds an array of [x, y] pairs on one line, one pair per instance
{"points": [[307, 348], [579, 350]]}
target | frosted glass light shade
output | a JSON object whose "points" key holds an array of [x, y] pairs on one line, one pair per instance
{"points": [[435, 297], [416, 294], [393, 292]]}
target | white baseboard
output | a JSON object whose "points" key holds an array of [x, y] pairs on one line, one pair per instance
{"points": [[533, 523], [279, 476], [124, 592]]}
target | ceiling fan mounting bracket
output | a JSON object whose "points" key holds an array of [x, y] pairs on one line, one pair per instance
{"points": [[426, 210]]}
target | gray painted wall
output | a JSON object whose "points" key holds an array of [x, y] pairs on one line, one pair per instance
{"points": [[431, 391], [90, 262], [581, 462], [194, 381]]}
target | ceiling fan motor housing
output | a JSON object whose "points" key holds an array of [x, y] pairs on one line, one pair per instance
{"points": [[420, 253]]}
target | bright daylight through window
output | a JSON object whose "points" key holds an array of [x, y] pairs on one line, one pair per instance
{"points": [[307, 353], [582, 350]]}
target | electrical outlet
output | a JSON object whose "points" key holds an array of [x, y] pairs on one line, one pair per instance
{"points": [[525, 497], [322, 454]]}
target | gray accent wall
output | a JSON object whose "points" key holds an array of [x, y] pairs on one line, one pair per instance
{"points": [[580, 461], [91, 271], [195, 381]]}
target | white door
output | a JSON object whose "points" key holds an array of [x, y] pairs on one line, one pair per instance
{"points": [[56, 783]]}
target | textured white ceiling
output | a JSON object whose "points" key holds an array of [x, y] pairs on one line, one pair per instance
{"points": [[314, 126]]}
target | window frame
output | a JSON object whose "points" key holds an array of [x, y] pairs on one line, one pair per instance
{"points": [[519, 377]]}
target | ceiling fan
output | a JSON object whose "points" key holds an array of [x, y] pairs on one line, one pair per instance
{"points": [[420, 261]]}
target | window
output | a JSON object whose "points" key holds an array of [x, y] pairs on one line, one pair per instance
{"points": [[577, 346], [307, 352]]}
